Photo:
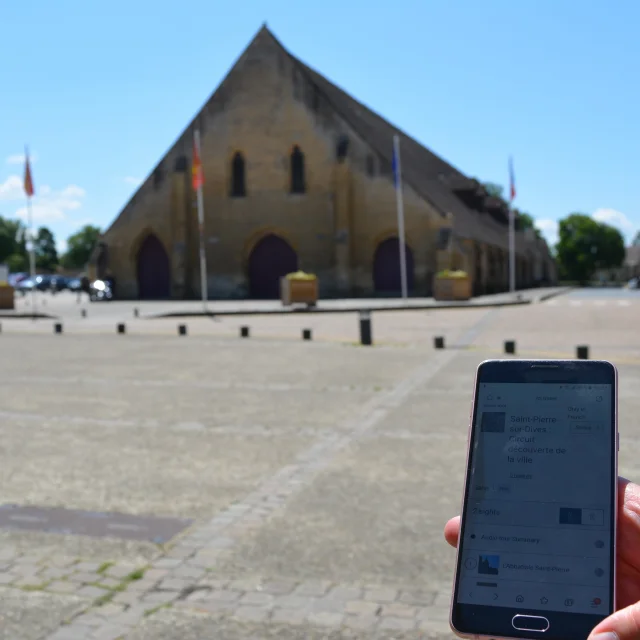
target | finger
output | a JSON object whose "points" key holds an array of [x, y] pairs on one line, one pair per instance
{"points": [[622, 625], [628, 549], [452, 531]]}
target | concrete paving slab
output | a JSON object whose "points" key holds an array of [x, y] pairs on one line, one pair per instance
{"points": [[319, 473], [32, 616], [374, 515], [168, 624]]}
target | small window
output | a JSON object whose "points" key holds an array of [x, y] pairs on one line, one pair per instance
{"points": [[371, 166], [238, 185], [297, 171], [342, 148]]}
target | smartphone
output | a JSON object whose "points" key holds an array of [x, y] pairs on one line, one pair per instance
{"points": [[536, 554]]}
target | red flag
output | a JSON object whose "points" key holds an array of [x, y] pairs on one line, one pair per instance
{"points": [[196, 168], [28, 180], [512, 181]]}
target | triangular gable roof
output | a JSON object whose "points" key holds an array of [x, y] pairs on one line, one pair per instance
{"points": [[427, 173]]}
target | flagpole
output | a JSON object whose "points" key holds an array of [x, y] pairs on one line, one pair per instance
{"points": [[32, 255], [512, 249], [203, 255], [512, 230], [28, 189], [400, 211]]}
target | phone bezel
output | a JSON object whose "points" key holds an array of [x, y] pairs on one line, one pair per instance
{"points": [[495, 622]]}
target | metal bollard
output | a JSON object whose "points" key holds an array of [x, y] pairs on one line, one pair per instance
{"points": [[510, 346], [244, 332], [57, 327], [366, 338], [182, 329], [582, 352], [438, 342], [306, 334], [136, 312], [122, 328], [83, 313]]}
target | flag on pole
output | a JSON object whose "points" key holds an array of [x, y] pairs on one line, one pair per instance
{"points": [[396, 169], [28, 180], [512, 181], [196, 168]]}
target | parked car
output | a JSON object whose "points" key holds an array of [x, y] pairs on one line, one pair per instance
{"points": [[43, 283], [59, 283], [26, 284], [16, 278], [634, 283], [74, 284], [100, 290]]}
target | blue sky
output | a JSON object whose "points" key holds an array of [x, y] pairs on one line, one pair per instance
{"points": [[99, 90]]}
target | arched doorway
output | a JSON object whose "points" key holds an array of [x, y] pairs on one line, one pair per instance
{"points": [[154, 272], [386, 267], [270, 259]]}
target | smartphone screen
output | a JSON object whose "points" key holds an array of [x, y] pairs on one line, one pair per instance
{"points": [[536, 550]]}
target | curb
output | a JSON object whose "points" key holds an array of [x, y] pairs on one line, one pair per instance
{"points": [[554, 294], [34, 316], [272, 312]]}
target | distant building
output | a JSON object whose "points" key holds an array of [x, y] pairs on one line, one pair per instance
{"points": [[298, 175]]}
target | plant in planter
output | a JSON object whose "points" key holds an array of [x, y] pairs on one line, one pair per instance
{"points": [[452, 285], [299, 287]]}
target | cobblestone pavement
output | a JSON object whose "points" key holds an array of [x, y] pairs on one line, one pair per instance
{"points": [[318, 475]]}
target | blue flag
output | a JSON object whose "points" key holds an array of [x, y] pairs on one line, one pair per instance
{"points": [[396, 173]]}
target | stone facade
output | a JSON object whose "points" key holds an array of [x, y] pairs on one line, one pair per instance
{"points": [[267, 121]]}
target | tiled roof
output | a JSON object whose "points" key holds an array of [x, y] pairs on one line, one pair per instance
{"points": [[428, 174]]}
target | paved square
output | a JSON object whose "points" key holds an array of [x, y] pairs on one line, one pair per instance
{"points": [[317, 475]]}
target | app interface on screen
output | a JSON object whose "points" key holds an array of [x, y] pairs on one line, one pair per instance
{"points": [[538, 518]]}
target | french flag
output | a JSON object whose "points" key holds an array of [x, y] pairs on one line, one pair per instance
{"points": [[512, 181]]}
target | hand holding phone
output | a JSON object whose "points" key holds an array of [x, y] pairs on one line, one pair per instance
{"points": [[625, 622], [536, 552]]}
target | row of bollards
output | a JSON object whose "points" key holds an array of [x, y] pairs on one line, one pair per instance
{"points": [[582, 351], [246, 333], [366, 337]]}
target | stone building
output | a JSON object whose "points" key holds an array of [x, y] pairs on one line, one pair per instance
{"points": [[298, 175]]}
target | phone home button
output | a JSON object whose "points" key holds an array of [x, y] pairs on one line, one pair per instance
{"points": [[530, 623]]}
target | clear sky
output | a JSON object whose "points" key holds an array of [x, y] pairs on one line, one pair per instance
{"points": [[100, 90]]}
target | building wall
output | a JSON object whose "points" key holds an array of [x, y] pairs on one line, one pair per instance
{"points": [[262, 109]]}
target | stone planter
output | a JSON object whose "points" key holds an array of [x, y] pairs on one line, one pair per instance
{"points": [[299, 290], [6, 297], [452, 288]]}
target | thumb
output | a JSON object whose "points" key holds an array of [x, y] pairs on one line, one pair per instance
{"points": [[622, 625]]}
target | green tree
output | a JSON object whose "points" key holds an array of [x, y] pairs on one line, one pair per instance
{"points": [[17, 262], [13, 245], [45, 250], [80, 246], [12, 239], [586, 245]]}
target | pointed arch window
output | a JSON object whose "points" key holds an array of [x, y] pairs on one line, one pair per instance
{"points": [[238, 177], [297, 171]]}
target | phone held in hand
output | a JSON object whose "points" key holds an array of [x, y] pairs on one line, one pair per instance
{"points": [[536, 554]]}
